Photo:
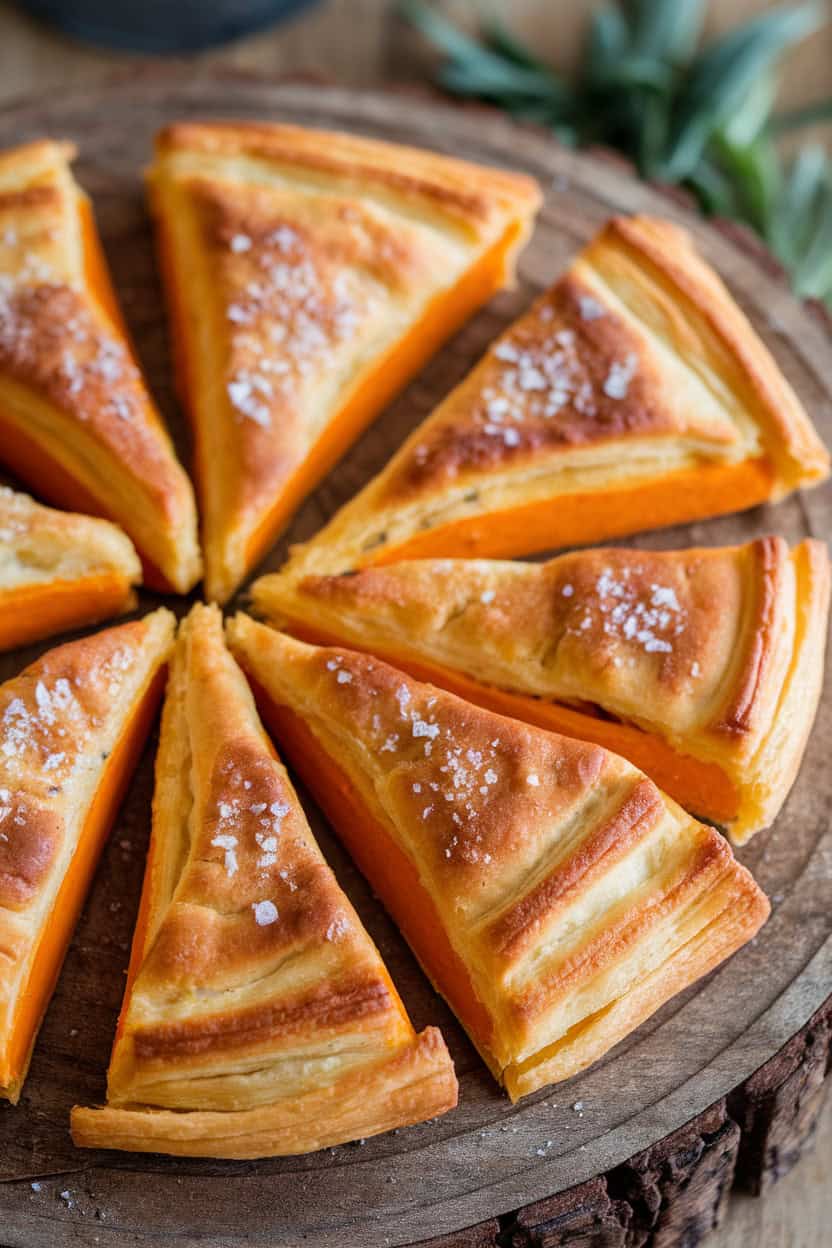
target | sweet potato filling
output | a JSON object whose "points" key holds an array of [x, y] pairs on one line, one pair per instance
{"points": [[445, 313], [389, 870], [30, 612], [581, 518], [699, 786], [57, 930]]}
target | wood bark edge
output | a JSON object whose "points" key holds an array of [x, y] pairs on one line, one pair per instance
{"points": [[675, 1192]]}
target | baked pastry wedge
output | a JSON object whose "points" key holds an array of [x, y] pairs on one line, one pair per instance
{"points": [[72, 725], [309, 276], [552, 893], [703, 667], [633, 394], [76, 420], [258, 1018], [59, 570]]}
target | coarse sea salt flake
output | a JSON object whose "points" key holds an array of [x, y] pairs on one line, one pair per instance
{"points": [[337, 927], [229, 845], [619, 377], [265, 913], [591, 309], [664, 596]]}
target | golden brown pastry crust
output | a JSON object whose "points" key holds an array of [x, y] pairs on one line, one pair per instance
{"points": [[477, 199], [296, 261], [60, 720], [717, 651], [683, 302], [398, 1090], [45, 552], [259, 1018], [75, 414], [576, 895], [634, 369]]}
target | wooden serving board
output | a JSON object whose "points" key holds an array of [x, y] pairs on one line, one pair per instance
{"points": [[643, 1146]]}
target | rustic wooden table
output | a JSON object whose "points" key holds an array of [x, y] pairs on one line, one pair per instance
{"points": [[360, 42]]}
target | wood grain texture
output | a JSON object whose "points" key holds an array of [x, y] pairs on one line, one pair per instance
{"points": [[481, 1164]]}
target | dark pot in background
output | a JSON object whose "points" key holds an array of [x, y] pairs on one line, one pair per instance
{"points": [[161, 25]]}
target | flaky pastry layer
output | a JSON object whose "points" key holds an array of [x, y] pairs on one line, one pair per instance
{"points": [[71, 726], [716, 652], [76, 419], [554, 895], [309, 274], [259, 1018], [633, 394], [59, 570]]}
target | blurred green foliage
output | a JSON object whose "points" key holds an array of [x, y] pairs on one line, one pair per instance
{"points": [[699, 115]]}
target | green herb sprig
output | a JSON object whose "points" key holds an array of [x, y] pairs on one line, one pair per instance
{"points": [[700, 116]]}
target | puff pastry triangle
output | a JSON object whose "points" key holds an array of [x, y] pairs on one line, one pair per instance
{"points": [[633, 394], [552, 893], [703, 667], [71, 728], [259, 1018], [309, 276], [76, 420], [59, 570]]}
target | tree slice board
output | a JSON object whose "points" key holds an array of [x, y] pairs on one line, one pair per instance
{"points": [[660, 1113]]}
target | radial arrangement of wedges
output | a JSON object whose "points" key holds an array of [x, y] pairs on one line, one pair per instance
{"points": [[539, 767]]}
